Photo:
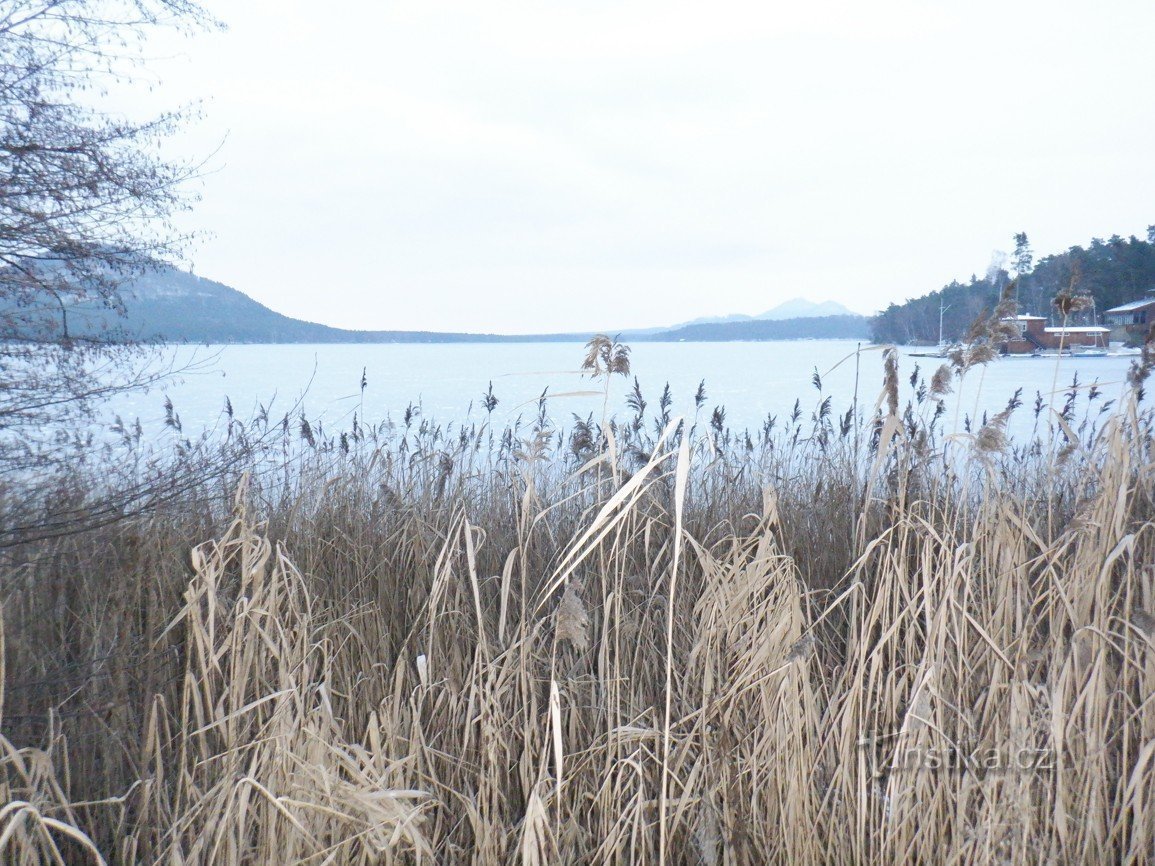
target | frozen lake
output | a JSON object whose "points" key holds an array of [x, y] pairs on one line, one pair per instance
{"points": [[447, 381]]}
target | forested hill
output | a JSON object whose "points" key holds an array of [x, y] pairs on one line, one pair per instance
{"points": [[1112, 271]]}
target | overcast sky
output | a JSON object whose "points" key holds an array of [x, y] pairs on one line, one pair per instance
{"points": [[543, 166]]}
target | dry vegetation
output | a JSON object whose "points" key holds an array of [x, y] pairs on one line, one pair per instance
{"points": [[629, 643]]}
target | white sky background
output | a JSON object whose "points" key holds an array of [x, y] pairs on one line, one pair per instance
{"points": [[540, 166]]}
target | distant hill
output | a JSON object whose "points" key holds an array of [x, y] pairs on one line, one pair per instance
{"points": [[849, 327], [176, 306], [800, 308], [796, 308]]}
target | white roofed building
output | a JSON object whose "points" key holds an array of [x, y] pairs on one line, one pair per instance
{"points": [[1132, 321]]}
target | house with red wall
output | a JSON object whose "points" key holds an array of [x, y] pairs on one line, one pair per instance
{"points": [[1036, 336]]}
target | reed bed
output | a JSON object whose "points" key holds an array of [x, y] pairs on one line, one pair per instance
{"points": [[630, 641]]}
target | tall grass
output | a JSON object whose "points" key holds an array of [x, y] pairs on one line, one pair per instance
{"points": [[633, 642]]}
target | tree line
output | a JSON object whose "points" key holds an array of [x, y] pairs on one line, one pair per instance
{"points": [[1111, 272]]}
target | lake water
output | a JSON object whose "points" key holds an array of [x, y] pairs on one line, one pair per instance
{"points": [[446, 380]]}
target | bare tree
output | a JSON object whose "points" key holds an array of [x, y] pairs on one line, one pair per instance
{"points": [[86, 204]]}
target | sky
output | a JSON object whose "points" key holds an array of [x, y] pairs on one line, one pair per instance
{"points": [[518, 167]]}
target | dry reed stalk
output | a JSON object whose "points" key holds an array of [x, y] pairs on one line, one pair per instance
{"points": [[651, 674], [262, 766], [38, 825]]}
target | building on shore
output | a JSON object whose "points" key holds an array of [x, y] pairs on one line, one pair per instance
{"points": [[1035, 336], [1131, 323]]}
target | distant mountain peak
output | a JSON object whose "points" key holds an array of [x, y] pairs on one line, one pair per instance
{"points": [[795, 308], [801, 308]]}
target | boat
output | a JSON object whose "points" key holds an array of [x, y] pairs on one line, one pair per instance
{"points": [[1090, 352], [943, 349]]}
